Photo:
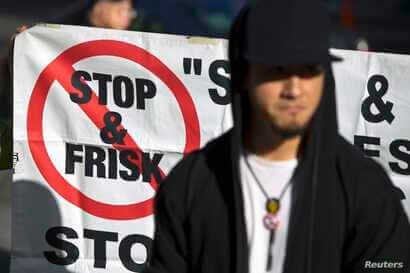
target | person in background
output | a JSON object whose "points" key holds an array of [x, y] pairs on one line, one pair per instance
{"points": [[115, 14]]}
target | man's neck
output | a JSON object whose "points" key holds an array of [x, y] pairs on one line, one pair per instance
{"points": [[269, 145]]}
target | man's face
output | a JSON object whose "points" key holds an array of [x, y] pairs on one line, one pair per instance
{"points": [[286, 96]]}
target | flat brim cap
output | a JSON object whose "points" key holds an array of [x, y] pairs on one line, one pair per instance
{"points": [[287, 32]]}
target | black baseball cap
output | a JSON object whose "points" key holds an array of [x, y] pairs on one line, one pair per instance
{"points": [[286, 32]]}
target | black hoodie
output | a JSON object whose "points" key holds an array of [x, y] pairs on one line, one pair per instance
{"points": [[346, 215]]}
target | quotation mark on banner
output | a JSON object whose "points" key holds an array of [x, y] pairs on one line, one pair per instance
{"points": [[376, 98], [219, 73], [188, 66]]}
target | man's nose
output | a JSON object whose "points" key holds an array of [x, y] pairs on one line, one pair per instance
{"points": [[292, 88]]}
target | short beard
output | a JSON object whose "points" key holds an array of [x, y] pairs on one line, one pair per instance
{"points": [[289, 132]]}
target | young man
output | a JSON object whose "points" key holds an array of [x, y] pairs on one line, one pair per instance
{"points": [[282, 191]]}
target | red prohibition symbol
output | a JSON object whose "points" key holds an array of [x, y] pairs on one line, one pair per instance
{"points": [[61, 69]]}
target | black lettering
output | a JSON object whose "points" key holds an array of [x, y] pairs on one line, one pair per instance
{"points": [[221, 81], [70, 249], [127, 100], [94, 156], [146, 89], [78, 81], [112, 164], [150, 167], [126, 158], [102, 79], [375, 98], [360, 141], [100, 248], [71, 158], [125, 251], [400, 155]]}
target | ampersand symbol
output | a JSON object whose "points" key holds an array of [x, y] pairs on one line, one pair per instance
{"points": [[109, 134], [384, 108]]}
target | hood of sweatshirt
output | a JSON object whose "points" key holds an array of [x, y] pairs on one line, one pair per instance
{"points": [[317, 163]]}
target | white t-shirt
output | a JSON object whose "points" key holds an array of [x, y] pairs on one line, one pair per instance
{"points": [[273, 175]]}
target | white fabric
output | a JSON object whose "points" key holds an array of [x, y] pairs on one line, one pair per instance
{"points": [[181, 116], [273, 175], [159, 128]]}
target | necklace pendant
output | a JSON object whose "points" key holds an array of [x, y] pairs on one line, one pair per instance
{"points": [[272, 206], [271, 221]]}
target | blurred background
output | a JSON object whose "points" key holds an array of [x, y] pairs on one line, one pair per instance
{"points": [[381, 26]]}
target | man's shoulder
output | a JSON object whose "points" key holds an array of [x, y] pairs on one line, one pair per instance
{"points": [[361, 173], [376, 219], [215, 150], [349, 155], [198, 167]]}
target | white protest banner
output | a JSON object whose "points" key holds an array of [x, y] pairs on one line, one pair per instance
{"points": [[101, 116], [374, 110]]}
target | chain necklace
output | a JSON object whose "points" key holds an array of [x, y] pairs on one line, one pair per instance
{"points": [[270, 220]]}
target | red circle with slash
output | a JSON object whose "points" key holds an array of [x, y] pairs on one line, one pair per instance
{"points": [[61, 69]]}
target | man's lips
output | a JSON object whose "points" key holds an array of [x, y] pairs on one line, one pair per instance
{"points": [[292, 109]]}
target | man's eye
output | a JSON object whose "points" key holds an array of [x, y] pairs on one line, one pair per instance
{"points": [[278, 70], [311, 70]]}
